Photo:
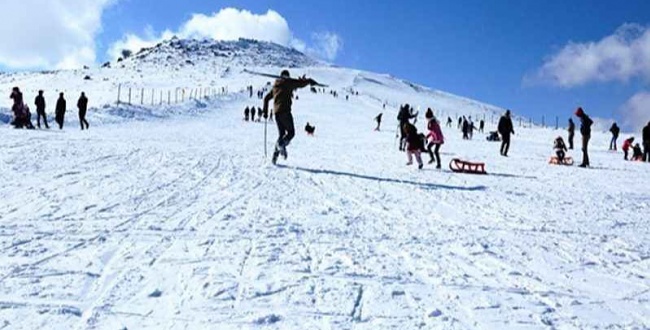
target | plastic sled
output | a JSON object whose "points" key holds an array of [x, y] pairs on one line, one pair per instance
{"points": [[461, 166], [556, 161]]}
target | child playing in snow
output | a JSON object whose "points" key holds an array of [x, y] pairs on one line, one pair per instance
{"points": [[414, 144], [626, 146], [637, 154], [560, 149]]}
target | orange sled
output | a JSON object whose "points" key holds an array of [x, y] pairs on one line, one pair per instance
{"points": [[556, 161], [461, 166]]}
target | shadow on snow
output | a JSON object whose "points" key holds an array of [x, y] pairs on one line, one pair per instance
{"points": [[388, 180]]}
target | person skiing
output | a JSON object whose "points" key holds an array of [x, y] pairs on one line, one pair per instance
{"points": [[615, 130], [282, 94], [414, 144], [378, 120], [571, 129], [505, 128], [59, 112], [436, 139], [82, 105], [646, 142], [40, 110], [626, 146], [246, 113], [637, 154], [403, 117], [585, 131], [560, 149]]}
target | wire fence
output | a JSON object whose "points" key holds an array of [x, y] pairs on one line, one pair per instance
{"points": [[153, 96]]}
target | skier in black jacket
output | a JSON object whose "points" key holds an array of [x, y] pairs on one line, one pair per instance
{"points": [[505, 128], [585, 130], [40, 110]]}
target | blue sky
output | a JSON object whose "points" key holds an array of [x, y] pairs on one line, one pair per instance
{"points": [[491, 51]]}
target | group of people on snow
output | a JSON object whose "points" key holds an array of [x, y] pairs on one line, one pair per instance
{"points": [[415, 143], [249, 113], [22, 114]]}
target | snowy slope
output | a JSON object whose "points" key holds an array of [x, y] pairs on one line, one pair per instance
{"points": [[177, 221]]}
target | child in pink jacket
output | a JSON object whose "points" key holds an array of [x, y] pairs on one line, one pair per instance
{"points": [[436, 139]]}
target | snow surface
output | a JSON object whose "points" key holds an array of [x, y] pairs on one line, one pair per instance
{"points": [[170, 217]]}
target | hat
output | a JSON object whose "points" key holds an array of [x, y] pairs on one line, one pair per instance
{"points": [[285, 74], [579, 112]]}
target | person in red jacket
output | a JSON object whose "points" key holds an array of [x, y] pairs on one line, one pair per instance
{"points": [[626, 146], [435, 139]]}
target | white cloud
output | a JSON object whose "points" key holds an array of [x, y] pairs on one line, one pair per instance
{"points": [[50, 34], [636, 111], [618, 57], [232, 24]]}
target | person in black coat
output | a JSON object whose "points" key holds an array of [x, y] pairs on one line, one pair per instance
{"points": [[40, 110], [403, 117], [646, 142], [572, 131], [505, 128], [585, 131], [615, 130], [59, 112], [378, 120], [246, 113], [82, 105]]}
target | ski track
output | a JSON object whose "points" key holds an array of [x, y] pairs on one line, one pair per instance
{"points": [[190, 228]]}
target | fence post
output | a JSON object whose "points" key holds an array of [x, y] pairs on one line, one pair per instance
{"points": [[543, 122], [557, 122], [142, 96], [176, 95], [129, 95], [161, 97], [530, 122], [183, 96], [119, 91], [153, 92], [169, 97]]}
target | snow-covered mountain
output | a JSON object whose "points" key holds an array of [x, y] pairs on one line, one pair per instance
{"points": [[169, 216]]}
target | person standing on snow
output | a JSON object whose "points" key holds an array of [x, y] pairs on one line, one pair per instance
{"points": [[615, 130], [627, 144], [82, 105], [435, 139], [572, 130], [246, 113], [646, 142], [378, 120], [59, 112], [282, 94], [403, 117], [414, 144], [505, 128], [585, 131], [40, 110]]}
